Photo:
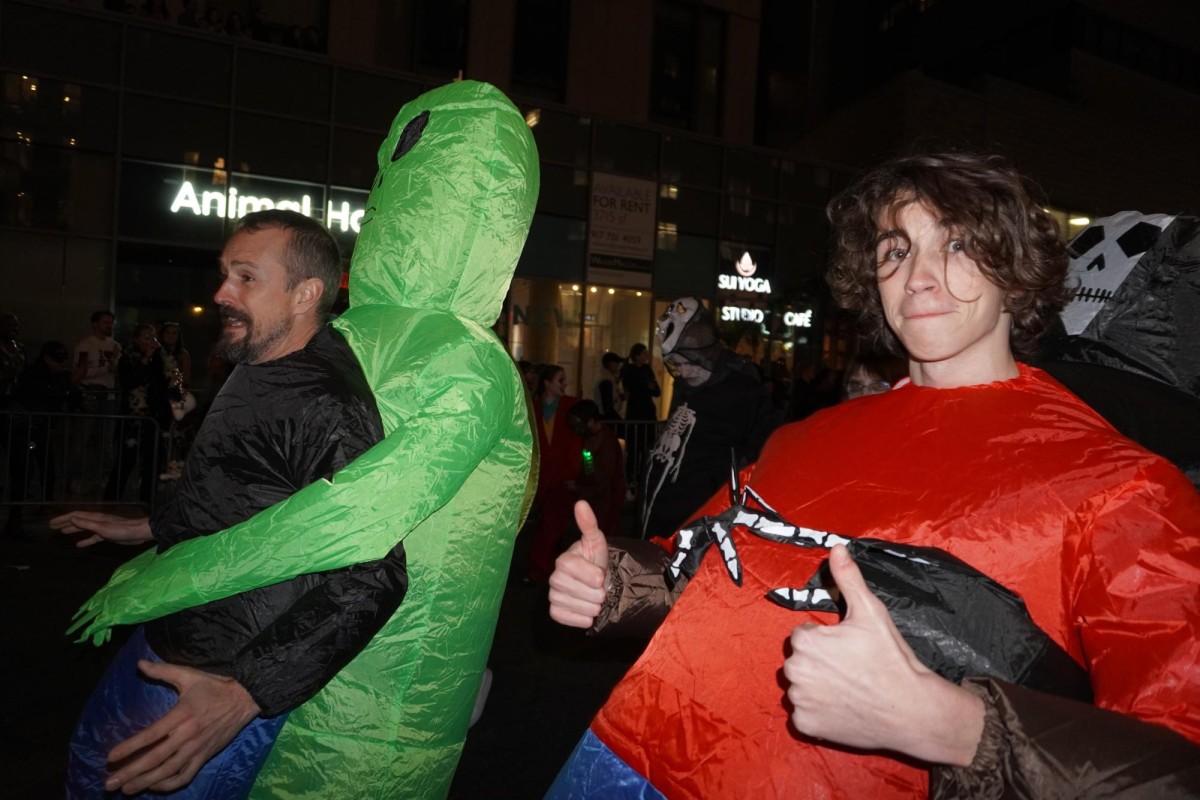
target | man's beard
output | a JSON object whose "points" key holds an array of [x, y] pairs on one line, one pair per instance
{"points": [[251, 347]]}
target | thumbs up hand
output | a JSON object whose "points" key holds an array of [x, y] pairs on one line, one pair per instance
{"points": [[858, 683], [579, 583]]}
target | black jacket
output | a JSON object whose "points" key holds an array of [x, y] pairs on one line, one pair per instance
{"points": [[274, 428]]}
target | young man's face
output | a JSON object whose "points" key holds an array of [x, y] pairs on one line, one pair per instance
{"points": [[255, 303], [945, 311]]}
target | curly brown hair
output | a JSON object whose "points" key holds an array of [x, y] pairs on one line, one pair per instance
{"points": [[1004, 230]]}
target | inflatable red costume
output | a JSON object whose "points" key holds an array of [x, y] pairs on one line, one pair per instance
{"points": [[1096, 534]]}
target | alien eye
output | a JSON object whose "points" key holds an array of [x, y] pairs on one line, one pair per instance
{"points": [[411, 135]]}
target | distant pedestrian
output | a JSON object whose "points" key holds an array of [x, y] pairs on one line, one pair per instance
{"points": [[610, 393], [641, 387], [143, 399], [95, 370], [560, 453]]}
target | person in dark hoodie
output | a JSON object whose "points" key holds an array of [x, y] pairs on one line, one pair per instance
{"points": [[720, 418]]}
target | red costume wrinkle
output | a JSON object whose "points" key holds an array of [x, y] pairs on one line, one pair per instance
{"points": [[1019, 479]]}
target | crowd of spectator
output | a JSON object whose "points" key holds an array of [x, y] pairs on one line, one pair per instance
{"points": [[229, 20], [107, 411]]}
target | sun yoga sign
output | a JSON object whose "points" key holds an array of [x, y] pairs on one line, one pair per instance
{"points": [[232, 205]]}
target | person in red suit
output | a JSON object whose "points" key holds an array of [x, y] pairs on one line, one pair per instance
{"points": [[754, 685], [560, 456]]}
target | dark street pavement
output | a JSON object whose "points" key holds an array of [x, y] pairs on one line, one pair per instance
{"points": [[548, 680]]}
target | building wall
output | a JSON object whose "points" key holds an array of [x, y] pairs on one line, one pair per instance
{"points": [[1120, 141], [86, 195], [608, 66]]}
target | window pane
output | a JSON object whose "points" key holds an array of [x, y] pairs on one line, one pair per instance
{"points": [[274, 146], [441, 36], [291, 86], [749, 220], [803, 246], [563, 138], [801, 183], [689, 267], [673, 64], [48, 111], [690, 210], [354, 157], [630, 151], [177, 66], [61, 281], [555, 248], [540, 48], [544, 324], [614, 319], [168, 130], [60, 188], [751, 173], [370, 101], [564, 191], [64, 45], [691, 163]]}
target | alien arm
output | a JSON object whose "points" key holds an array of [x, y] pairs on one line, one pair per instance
{"points": [[449, 400]]}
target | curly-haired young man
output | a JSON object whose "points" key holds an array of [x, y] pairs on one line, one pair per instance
{"points": [[948, 259]]}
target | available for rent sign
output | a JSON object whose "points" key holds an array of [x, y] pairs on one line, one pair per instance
{"points": [[621, 221]]}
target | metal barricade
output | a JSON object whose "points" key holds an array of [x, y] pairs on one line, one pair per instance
{"points": [[637, 438], [63, 459]]}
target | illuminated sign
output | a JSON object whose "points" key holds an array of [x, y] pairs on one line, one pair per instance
{"points": [[798, 319], [745, 265], [739, 283], [741, 314], [744, 280], [232, 205], [792, 319]]}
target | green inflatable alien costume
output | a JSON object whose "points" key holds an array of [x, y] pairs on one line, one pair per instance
{"points": [[445, 223]]}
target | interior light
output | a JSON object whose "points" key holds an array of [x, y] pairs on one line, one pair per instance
{"points": [[612, 291], [197, 309], [574, 287], [639, 294], [593, 290], [1080, 220], [533, 117]]}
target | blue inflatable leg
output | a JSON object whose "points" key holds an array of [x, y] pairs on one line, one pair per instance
{"points": [[125, 703]]}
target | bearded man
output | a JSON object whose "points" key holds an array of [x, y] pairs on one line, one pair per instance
{"points": [[195, 699]]}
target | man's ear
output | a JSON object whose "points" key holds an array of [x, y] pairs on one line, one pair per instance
{"points": [[307, 295]]}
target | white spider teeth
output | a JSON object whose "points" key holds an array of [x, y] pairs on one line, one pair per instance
{"points": [[802, 596]]}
